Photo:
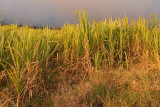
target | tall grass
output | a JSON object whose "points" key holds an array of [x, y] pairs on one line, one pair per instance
{"points": [[27, 54]]}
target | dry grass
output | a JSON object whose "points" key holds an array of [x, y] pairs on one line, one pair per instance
{"points": [[137, 86]]}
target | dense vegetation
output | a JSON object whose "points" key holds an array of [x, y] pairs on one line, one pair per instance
{"points": [[109, 63]]}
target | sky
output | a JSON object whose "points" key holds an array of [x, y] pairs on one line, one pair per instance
{"points": [[57, 12]]}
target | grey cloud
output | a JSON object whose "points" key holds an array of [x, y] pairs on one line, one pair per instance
{"points": [[57, 12]]}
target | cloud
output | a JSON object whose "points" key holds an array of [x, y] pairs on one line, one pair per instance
{"points": [[57, 12]]}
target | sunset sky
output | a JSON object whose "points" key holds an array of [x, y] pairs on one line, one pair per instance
{"points": [[57, 12]]}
